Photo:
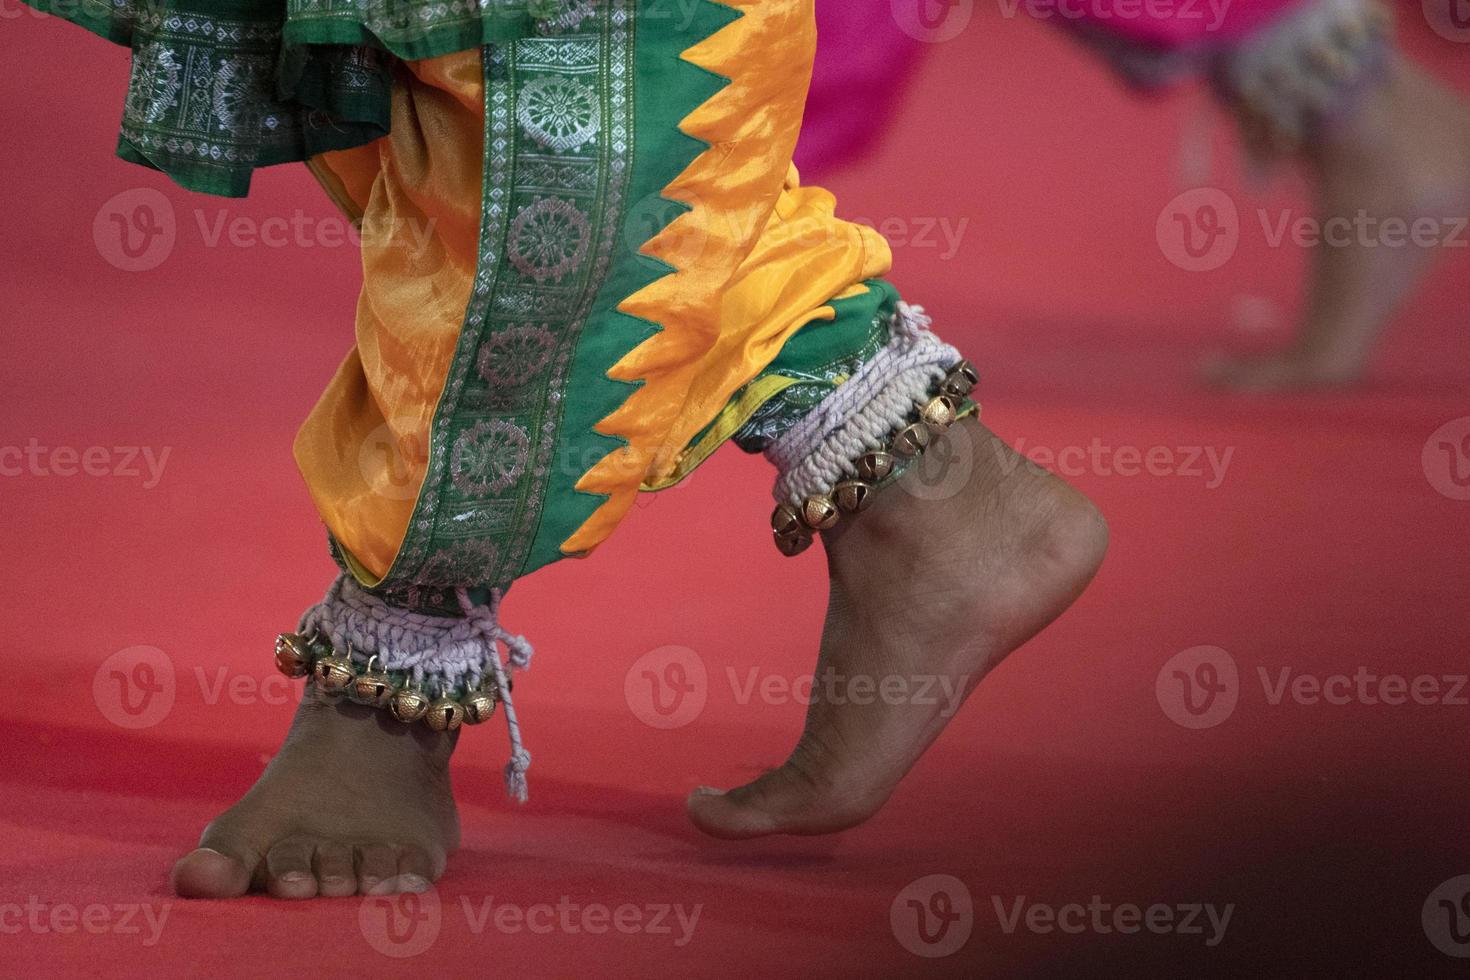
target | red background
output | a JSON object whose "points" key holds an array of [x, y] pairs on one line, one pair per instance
{"points": [[1324, 549]]}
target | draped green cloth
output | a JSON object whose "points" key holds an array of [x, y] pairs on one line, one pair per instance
{"points": [[220, 88]]}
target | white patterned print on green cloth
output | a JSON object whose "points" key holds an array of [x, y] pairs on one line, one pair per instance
{"points": [[558, 138], [789, 405], [203, 95]]}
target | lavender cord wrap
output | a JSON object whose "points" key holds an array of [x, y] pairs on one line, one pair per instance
{"points": [[440, 654], [819, 451]]}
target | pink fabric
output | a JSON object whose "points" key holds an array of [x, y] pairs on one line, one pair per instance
{"points": [[864, 63], [865, 60]]}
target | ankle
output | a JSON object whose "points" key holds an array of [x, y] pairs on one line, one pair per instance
{"points": [[336, 724]]}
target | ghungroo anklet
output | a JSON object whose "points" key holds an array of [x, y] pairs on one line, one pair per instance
{"points": [[441, 671], [867, 432], [1300, 74]]}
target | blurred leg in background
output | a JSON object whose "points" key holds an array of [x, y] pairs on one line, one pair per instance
{"points": [[1320, 84]]}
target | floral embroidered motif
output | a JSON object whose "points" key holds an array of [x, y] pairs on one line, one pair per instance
{"points": [[558, 112], [489, 457], [558, 126], [548, 238], [516, 356]]}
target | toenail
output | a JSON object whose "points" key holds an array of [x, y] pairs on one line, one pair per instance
{"points": [[708, 791], [293, 877], [412, 883]]}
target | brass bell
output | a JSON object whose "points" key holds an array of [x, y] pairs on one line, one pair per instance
{"points": [[334, 674], [853, 495], [785, 520], [875, 467], [409, 705], [293, 655], [445, 715], [791, 545], [911, 439], [479, 706], [939, 414], [960, 381], [372, 687], [818, 512]]}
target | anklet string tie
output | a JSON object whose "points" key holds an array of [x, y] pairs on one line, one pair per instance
{"points": [[439, 653], [486, 620]]}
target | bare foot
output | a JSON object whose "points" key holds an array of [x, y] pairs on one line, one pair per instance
{"points": [[1287, 371], [1401, 157], [923, 592], [354, 803]]}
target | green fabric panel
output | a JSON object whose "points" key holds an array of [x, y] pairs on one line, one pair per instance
{"points": [[581, 137], [821, 354], [220, 88], [417, 29], [666, 89]]}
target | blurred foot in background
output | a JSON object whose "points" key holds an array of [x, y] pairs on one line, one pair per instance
{"points": [[1320, 84], [1392, 184]]}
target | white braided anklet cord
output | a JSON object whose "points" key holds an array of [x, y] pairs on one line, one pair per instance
{"points": [[1309, 67], [440, 654], [818, 452]]}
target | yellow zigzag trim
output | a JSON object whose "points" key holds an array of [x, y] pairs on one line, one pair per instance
{"points": [[751, 125]]}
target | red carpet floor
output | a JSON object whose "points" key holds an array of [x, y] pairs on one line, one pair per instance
{"points": [[1324, 549]]}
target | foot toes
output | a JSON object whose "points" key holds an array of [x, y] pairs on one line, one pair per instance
{"points": [[211, 872], [288, 869], [377, 867], [782, 801], [416, 871], [333, 867]]}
